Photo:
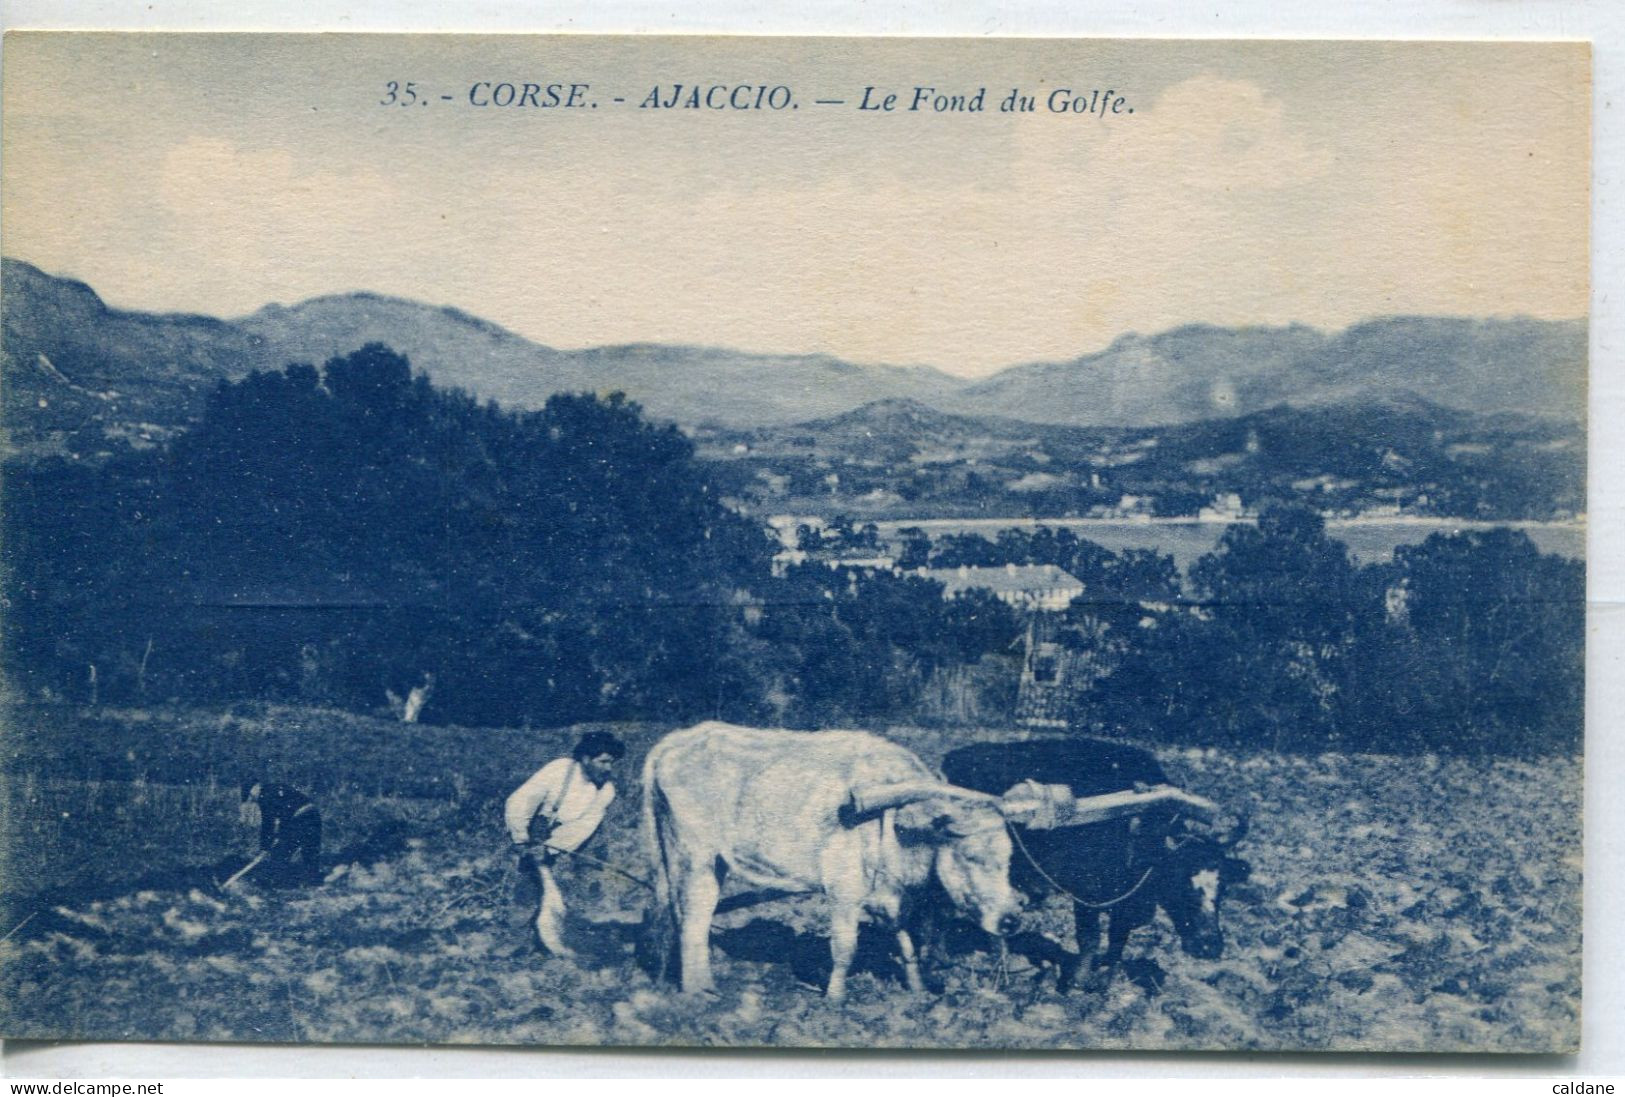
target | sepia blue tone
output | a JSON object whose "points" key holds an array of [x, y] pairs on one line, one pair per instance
{"points": [[384, 591], [727, 541]]}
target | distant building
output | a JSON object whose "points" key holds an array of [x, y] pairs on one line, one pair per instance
{"points": [[787, 528], [862, 563], [1041, 587], [1055, 675], [1226, 507], [810, 539], [785, 559]]}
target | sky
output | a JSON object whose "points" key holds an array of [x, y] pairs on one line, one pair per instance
{"points": [[1254, 183]]}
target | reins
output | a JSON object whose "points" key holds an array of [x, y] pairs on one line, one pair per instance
{"points": [[569, 779], [603, 864], [1050, 880]]}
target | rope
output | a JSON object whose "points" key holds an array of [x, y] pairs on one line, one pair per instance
{"points": [[616, 869], [1050, 880]]}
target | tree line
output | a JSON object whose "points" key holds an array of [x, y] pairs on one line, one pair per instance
{"points": [[340, 535], [1471, 642], [337, 535]]}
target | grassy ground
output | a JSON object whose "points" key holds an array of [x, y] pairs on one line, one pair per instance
{"points": [[1395, 903]]}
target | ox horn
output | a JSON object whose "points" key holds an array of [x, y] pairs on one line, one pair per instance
{"points": [[1199, 806], [1041, 806], [867, 799]]}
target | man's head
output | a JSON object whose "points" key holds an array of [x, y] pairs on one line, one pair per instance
{"points": [[598, 751], [251, 789]]}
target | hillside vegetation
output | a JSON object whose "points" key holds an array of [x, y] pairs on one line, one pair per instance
{"points": [[345, 535], [899, 459]]}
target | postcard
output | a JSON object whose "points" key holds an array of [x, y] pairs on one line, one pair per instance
{"points": [[793, 542]]}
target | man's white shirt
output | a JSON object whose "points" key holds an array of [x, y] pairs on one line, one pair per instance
{"points": [[562, 793]]}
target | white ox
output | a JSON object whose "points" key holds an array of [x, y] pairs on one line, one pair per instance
{"points": [[845, 813]]}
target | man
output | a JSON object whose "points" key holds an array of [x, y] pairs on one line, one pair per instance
{"points": [[290, 833], [565, 801]]}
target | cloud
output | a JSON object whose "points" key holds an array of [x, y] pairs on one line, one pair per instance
{"points": [[1214, 134], [968, 242], [238, 209]]}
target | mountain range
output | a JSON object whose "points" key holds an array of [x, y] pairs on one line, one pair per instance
{"points": [[1398, 455], [71, 363], [1514, 364]]}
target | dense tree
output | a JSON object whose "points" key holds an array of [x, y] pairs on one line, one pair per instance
{"points": [[334, 535], [914, 551], [344, 532], [1468, 643], [848, 643], [1483, 649], [1260, 654]]}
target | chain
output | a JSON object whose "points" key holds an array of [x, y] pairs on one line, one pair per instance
{"points": [[1050, 880]]}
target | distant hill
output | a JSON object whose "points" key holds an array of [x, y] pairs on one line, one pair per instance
{"points": [[78, 373], [684, 383], [101, 348], [901, 418], [902, 459], [1513, 365], [1397, 422], [899, 430]]}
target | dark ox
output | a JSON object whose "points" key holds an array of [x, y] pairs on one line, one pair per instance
{"points": [[1115, 873], [844, 814]]}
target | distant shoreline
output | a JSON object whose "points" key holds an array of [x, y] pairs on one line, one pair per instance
{"points": [[1369, 538], [1421, 521]]}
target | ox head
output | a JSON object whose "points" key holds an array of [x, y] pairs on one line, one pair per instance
{"points": [[1196, 867], [971, 844]]}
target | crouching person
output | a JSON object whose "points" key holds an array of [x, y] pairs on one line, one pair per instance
{"points": [[555, 812], [290, 833]]}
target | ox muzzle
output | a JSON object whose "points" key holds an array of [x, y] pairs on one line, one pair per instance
{"points": [[1200, 866]]}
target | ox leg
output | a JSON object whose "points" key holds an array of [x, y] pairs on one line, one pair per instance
{"points": [[1118, 926], [701, 889], [843, 945], [1117, 931], [1086, 927], [1144, 972], [911, 962]]}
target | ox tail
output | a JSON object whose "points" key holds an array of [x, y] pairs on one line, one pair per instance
{"points": [[649, 829], [657, 944]]}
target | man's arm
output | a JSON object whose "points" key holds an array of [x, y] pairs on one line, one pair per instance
{"points": [[544, 786], [572, 834]]}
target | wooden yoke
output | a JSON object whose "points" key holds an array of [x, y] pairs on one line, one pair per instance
{"points": [[1033, 804], [1045, 807]]}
